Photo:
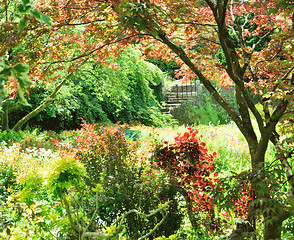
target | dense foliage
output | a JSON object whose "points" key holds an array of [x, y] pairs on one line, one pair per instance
{"points": [[97, 176], [122, 91], [94, 175], [189, 167]]}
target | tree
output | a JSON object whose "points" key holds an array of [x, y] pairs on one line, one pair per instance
{"points": [[194, 38], [192, 32], [30, 53], [14, 74]]}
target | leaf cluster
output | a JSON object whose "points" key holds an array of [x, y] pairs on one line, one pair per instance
{"points": [[19, 72], [189, 166], [25, 7]]}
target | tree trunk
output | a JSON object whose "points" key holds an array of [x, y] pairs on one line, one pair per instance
{"points": [[236, 71], [273, 231], [189, 206], [5, 119]]}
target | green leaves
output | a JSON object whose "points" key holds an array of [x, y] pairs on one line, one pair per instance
{"points": [[21, 25], [19, 72], [41, 17], [64, 173], [138, 14], [36, 14], [21, 68], [46, 20], [26, 8]]}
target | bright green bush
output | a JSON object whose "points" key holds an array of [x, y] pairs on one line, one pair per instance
{"points": [[127, 89], [7, 137], [63, 173]]}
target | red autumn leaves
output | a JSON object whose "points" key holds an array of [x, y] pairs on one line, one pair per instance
{"points": [[190, 166]]}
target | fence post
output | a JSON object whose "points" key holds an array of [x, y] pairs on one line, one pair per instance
{"points": [[182, 87]]}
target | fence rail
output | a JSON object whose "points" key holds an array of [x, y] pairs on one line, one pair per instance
{"points": [[180, 92]]}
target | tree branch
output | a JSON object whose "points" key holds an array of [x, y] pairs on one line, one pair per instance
{"points": [[181, 53], [94, 50], [46, 103], [260, 40], [79, 24], [121, 219], [195, 23], [74, 226]]}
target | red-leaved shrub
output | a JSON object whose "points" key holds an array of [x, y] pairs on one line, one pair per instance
{"points": [[190, 167]]}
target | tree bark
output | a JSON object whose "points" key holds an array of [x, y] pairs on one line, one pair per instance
{"points": [[189, 206], [273, 231], [5, 118]]}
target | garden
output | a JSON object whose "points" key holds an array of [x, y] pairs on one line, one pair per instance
{"points": [[86, 149]]}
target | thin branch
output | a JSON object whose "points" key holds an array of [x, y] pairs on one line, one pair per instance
{"points": [[44, 104], [206, 39], [266, 60], [47, 228], [94, 214], [121, 219], [191, 39], [195, 23], [287, 73], [153, 230], [240, 30], [76, 213], [74, 226], [283, 78], [79, 24], [260, 40], [7, 100], [291, 112], [93, 51]]}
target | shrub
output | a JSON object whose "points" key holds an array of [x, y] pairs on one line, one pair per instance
{"points": [[7, 137], [189, 167], [112, 162], [25, 205], [64, 172]]}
